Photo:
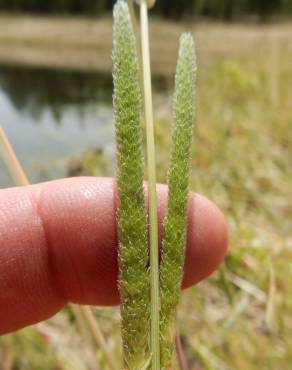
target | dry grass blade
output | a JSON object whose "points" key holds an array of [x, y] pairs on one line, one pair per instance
{"points": [[181, 357], [270, 309], [81, 322], [11, 160], [249, 288], [97, 335]]}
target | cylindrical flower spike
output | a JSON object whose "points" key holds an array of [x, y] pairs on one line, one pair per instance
{"points": [[133, 255], [171, 269]]}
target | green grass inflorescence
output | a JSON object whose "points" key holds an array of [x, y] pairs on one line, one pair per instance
{"points": [[171, 269], [132, 219], [132, 229]]}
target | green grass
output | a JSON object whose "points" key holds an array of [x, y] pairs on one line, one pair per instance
{"points": [[241, 161]]}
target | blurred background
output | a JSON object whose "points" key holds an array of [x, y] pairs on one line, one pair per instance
{"points": [[55, 106]]}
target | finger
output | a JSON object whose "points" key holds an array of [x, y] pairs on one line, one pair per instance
{"points": [[58, 243]]}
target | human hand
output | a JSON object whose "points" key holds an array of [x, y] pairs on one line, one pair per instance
{"points": [[58, 244]]}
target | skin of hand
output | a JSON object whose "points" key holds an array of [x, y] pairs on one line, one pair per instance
{"points": [[58, 244]]}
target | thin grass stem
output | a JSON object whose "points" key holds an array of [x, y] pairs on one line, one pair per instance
{"points": [[97, 335], [270, 308], [21, 179], [226, 284], [11, 160], [85, 333], [181, 357], [153, 222]]}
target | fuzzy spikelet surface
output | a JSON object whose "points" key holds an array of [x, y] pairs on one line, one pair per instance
{"points": [[171, 269], [133, 255]]}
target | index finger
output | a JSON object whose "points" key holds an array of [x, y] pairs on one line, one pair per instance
{"points": [[58, 244]]}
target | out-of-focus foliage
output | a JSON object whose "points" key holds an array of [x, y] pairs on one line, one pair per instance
{"points": [[218, 9], [34, 90], [59, 345]]}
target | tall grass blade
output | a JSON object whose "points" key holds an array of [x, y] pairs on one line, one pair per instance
{"points": [[171, 269], [132, 230]]}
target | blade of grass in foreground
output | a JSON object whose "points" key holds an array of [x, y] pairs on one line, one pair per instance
{"points": [[171, 269], [132, 230]]}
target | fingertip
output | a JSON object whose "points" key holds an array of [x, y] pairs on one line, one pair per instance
{"points": [[80, 220], [59, 243], [207, 239]]}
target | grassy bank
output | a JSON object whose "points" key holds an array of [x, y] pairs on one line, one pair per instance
{"points": [[85, 44]]}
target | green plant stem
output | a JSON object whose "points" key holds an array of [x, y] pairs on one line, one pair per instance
{"points": [[21, 179], [225, 284], [153, 221]]}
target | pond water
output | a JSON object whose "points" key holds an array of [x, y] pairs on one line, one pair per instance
{"points": [[52, 116]]}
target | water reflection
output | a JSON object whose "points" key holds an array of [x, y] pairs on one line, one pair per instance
{"points": [[33, 90], [50, 116]]}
